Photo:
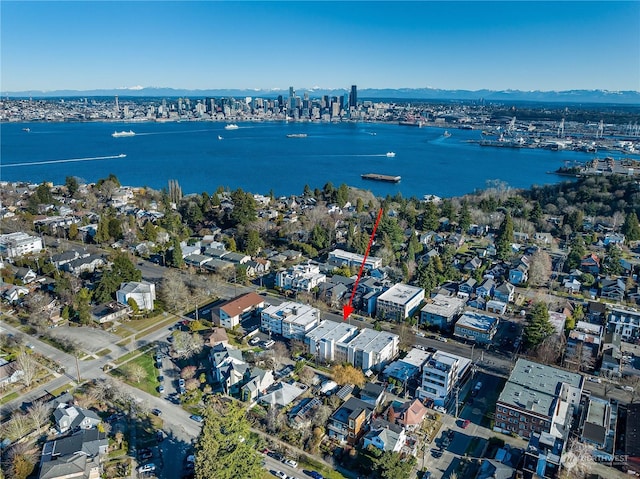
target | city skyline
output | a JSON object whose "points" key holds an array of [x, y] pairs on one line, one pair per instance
{"points": [[525, 46]]}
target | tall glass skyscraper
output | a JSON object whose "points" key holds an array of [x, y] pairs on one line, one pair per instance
{"points": [[353, 96]]}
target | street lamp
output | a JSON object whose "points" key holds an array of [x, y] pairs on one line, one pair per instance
{"points": [[472, 347]]}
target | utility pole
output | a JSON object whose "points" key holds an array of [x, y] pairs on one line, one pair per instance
{"points": [[457, 391], [77, 368]]}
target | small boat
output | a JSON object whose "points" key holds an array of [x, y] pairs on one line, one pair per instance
{"points": [[231, 126], [27, 130], [390, 154], [297, 135], [219, 137], [379, 177], [120, 134], [446, 134], [122, 155]]}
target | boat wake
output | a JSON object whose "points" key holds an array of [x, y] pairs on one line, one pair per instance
{"points": [[70, 160]]}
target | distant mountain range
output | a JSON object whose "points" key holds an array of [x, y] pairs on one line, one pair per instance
{"points": [[568, 96]]}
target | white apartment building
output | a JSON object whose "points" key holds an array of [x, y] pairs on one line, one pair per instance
{"points": [[301, 277], [143, 293], [17, 244], [625, 322], [399, 302], [440, 376], [324, 339], [291, 320], [370, 349], [341, 258]]}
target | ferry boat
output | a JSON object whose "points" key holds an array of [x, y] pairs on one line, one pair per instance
{"points": [[297, 135], [391, 154], [231, 126], [120, 134]]}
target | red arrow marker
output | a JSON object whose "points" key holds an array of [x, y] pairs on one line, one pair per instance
{"points": [[347, 309]]}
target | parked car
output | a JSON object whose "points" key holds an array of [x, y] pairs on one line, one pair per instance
{"points": [[281, 475], [444, 340], [161, 389], [465, 424], [145, 454], [290, 463], [196, 418], [315, 475], [156, 411], [181, 382]]}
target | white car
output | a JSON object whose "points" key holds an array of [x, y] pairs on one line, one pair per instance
{"points": [[281, 474], [444, 340], [290, 462]]}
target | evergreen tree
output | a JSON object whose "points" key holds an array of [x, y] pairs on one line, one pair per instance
{"points": [[430, 217], [631, 227], [426, 277], [72, 185], [244, 208], [253, 243], [612, 264], [446, 209], [73, 231], [224, 449], [175, 259], [505, 238], [342, 195], [536, 212], [538, 326], [359, 205], [576, 253], [464, 217], [83, 306], [122, 271], [102, 232]]}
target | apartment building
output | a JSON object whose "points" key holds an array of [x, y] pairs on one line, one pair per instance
{"points": [[441, 375], [324, 340], [370, 349], [399, 302], [538, 399], [341, 258], [625, 322], [441, 311], [477, 327], [13, 245], [290, 320], [301, 277], [235, 310]]}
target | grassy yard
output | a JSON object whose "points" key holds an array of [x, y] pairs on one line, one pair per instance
{"points": [[9, 397], [103, 352], [133, 354], [61, 389], [149, 383]]}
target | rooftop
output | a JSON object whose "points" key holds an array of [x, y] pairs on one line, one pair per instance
{"points": [[370, 340], [476, 321], [401, 293], [332, 331], [445, 306]]}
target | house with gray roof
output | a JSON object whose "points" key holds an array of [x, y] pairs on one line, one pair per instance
{"points": [[386, 436], [75, 456], [70, 418]]}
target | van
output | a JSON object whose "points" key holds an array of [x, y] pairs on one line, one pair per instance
{"points": [[269, 343]]}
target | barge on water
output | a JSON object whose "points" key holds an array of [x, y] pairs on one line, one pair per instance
{"points": [[378, 177]]}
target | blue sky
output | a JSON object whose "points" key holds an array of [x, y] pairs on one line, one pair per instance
{"points": [[272, 45]]}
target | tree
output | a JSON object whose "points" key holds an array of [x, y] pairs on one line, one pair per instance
{"points": [[188, 372], [244, 208], [504, 238], [306, 375], [611, 264], [39, 413], [538, 327], [576, 254], [175, 255], [464, 217], [22, 459], [631, 227], [173, 291], [342, 195], [71, 182], [539, 268], [187, 344], [391, 465], [83, 306], [73, 231], [123, 270], [26, 363], [224, 448], [134, 372], [348, 374], [279, 352], [551, 348], [253, 243]]}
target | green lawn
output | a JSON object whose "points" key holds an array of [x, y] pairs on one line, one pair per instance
{"points": [[8, 397], [150, 382], [103, 352]]}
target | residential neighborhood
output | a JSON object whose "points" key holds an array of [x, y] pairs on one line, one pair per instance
{"points": [[129, 315]]}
